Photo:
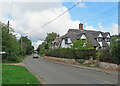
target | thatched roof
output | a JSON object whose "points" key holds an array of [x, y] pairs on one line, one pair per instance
{"points": [[75, 34]]}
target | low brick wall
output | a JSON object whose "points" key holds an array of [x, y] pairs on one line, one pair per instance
{"points": [[104, 65], [110, 66], [62, 60]]}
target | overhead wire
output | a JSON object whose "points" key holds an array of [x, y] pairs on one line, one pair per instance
{"points": [[53, 19]]}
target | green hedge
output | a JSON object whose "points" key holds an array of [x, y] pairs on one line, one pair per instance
{"points": [[71, 53], [85, 54], [106, 56]]}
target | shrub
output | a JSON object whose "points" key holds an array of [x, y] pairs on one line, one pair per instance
{"points": [[85, 54], [11, 59], [66, 53], [106, 56], [70, 53]]}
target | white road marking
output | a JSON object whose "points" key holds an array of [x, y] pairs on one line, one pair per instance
{"points": [[107, 82]]}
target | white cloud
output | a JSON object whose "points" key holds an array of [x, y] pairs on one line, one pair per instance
{"points": [[86, 23], [60, 25], [28, 17], [82, 4], [90, 28], [114, 29], [36, 44], [100, 26]]}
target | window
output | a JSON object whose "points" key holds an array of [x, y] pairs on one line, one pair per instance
{"points": [[84, 41], [66, 41], [100, 39], [107, 40]]}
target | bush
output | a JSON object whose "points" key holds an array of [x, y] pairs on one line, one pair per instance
{"points": [[66, 53], [70, 53], [106, 56], [85, 54], [11, 59]]}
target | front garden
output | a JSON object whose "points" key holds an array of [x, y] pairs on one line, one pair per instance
{"points": [[82, 54]]}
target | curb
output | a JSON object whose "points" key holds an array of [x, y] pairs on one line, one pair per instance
{"points": [[96, 69], [38, 77], [89, 68]]}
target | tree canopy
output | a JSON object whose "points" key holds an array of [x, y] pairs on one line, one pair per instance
{"points": [[81, 44], [47, 42], [12, 46]]}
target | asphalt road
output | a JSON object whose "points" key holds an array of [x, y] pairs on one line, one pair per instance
{"points": [[56, 73]]}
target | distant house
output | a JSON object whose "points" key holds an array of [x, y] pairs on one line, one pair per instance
{"points": [[97, 39]]}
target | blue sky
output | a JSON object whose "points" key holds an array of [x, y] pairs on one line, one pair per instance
{"points": [[93, 13]]}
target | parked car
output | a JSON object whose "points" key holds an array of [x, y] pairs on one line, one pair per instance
{"points": [[35, 56]]}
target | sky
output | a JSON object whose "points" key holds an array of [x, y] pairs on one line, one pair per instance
{"points": [[26, 18]]}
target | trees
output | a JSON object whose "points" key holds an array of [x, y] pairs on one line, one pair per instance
{"points": [[112, 53], [81, 44], [46, 44], [115, 49], [41, 48], [26, 45], [12, 46], [50, 37], [9, 44]]}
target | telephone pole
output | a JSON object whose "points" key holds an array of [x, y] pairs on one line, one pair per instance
{"points": [[21, 42], [8, 26]]}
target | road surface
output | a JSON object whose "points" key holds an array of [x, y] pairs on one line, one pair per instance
{"points": [[56, 73]]}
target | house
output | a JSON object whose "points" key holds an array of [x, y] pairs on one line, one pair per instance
{"points": [[97, 39]]}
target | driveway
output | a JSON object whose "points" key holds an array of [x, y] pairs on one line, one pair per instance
{"points": [[56, 73]]}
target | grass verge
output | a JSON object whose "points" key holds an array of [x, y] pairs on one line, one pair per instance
{"points": [[15, 74]]}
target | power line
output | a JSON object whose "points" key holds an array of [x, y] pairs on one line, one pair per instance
{"points": [[54, 18]]}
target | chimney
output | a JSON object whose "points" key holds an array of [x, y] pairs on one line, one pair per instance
{"points": [[56, 36], [81, 26]]}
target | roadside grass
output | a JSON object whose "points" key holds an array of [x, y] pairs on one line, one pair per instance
{"points": [[15, 74]]}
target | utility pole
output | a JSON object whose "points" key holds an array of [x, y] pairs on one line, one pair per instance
{"points": [[21, 42], [8, 26]]}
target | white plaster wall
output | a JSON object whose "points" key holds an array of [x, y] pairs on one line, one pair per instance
{"points": [[83, 37], [100, 44], [69, 40], [108, 36], [108, 43], [100, 35], [63, 45]]}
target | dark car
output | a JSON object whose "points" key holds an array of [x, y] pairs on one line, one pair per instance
{"points": [[35, 56]]}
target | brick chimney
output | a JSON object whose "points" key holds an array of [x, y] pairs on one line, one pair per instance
{"points": [[56, 36], [81, 26]]}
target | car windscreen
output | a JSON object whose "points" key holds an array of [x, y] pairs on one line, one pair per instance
{"points": [[35, 55]]}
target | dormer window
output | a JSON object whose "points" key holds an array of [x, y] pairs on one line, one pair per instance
{"points": [[107, 39], [83, 37], [100, 39]]}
